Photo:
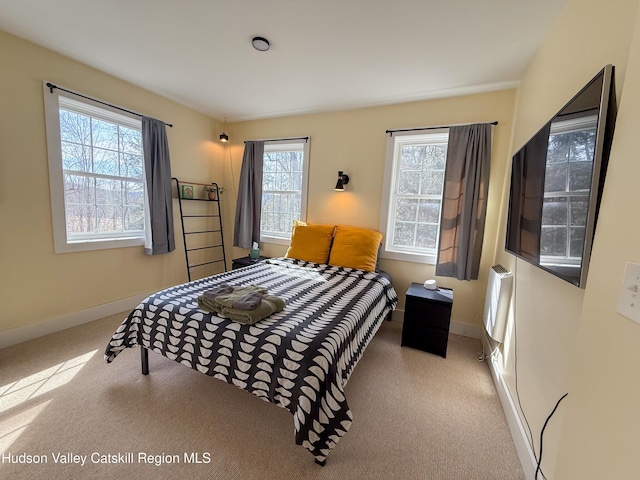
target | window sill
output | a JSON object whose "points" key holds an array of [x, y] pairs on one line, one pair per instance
{"points": [[410, 257], [276, 240], [84, 246]]}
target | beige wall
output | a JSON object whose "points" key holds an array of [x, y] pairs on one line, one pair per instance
{"points": [[355, 141], [37, 284], [563, 333], [601, 437]]}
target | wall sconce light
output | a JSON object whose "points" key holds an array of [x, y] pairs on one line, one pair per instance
{"points": [[224, 138], [343, 179]]}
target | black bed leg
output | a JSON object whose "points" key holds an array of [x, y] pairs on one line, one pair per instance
{"points": [[144, 357], [321, 463]]}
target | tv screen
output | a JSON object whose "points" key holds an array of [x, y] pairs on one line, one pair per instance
{"points": [[556, 183]]}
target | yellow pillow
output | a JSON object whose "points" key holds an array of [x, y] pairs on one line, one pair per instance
{"points": [[355, 248], [310, 243]]}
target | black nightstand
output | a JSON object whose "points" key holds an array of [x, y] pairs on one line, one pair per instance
{"points": [[427, 314], [245, 261]]}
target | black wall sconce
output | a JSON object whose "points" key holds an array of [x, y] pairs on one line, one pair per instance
{"points": [[343, 179]]}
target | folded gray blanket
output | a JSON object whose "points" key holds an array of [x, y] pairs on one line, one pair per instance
{"points": [[246, 305], [248, 301], [244, 298], [269, 305], [218, 290]]}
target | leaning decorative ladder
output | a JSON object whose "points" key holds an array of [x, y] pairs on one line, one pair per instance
{"points": [[203, 226]]}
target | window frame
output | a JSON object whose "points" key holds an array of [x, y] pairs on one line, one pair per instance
{"points": [[285, 146], [391, 177], [99, 241]]}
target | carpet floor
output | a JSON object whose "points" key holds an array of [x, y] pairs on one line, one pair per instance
{"points": [[416, 416]]}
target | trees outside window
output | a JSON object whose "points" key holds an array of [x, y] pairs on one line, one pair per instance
{"points": [[412, 201], [284, 189], [96, 175]]}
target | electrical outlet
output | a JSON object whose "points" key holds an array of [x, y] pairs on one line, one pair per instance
{"points": [[629, 299]]}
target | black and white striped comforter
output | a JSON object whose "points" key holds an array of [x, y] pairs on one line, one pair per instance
{"points": [[299, 359]]}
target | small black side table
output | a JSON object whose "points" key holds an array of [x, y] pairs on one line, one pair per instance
{"points": [[427, 315], [245, 261]]}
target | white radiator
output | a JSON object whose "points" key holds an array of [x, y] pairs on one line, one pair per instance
{"points": [[496, 303]]}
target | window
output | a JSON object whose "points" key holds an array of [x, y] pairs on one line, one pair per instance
{"points": [[412, 199], [96, 175], [284, 189], [566, 190]]}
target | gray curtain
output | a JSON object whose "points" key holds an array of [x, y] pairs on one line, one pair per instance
{"points": [[464, 202], [157, 167], [249, 206]]}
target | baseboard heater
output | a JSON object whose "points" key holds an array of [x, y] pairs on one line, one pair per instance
{"points": [[496, 303]]}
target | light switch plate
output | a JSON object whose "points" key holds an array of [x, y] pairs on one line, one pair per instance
{"points": [[629, 300]]}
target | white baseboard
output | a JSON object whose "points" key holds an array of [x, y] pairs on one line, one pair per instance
{"points": [[518, 433], [52, 325], [466, 330]]}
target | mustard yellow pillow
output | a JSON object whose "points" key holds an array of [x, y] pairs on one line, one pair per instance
{"points": [[355, 248], [310, 242]]}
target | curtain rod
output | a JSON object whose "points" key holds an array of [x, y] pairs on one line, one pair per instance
{"points": [[52, 86], [306, 139], [429, 128]]}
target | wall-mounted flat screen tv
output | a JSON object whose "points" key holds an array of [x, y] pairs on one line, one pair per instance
{"points": [[557, 179]]}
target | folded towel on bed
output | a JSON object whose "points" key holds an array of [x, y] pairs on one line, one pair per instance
{"points": [[209, 305], [221, 289], [268, 305], [243, 298], [248, 301]]}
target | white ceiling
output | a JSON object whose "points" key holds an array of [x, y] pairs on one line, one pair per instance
{"points": [[325, 54]]}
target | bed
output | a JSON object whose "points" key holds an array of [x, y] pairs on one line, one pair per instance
{"points": [[299, 358]]}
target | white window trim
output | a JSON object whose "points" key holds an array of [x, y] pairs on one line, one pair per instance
{"points": [[390, 180], [287, 145], [62, 244]]}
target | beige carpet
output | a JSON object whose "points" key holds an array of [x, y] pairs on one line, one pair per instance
{"points": [[416, 416]]}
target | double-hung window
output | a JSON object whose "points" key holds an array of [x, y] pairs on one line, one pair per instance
{"points": [[412, 199], [96, 174], [284, 188]]}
